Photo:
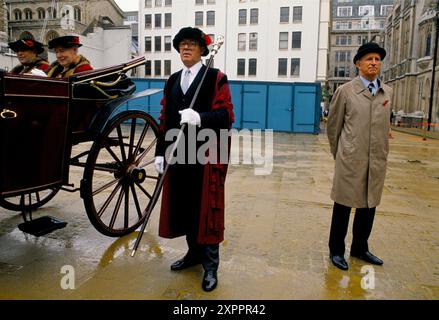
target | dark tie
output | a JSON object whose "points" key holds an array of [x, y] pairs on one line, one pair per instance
{"points": [[371, 87]]}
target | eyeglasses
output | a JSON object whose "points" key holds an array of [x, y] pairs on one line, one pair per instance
{"points": [[189, 43]]}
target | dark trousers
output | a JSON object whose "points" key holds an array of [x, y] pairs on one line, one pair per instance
{"points": [[207, 254], [361, 229]]}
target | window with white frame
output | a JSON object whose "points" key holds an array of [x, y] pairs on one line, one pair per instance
{"points": [[157, 43], [199, 18], [344, 11], [210, 18], [157, 68], [297, 14], [241, 41], [285, 14], [366, 11], [252, 67], [242, 16], [167, 67], [158, 20], [296, 40], [168, 20], [342, 56], [148, 44], [148, 3], [148, 68], [282, 67], [158, 3], [148, 21], [283, 40], [168, 43], [385, 10], [295, 67], [254, 16], [240, 67], [253, 41]]}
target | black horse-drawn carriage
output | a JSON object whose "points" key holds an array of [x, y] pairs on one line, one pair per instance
{"points": [[41, 119]]}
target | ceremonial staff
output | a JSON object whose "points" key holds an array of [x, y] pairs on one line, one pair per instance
{"points": [[216, 46]]}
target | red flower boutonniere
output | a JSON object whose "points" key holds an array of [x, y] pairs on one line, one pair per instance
{"points": [[208, 39], [385, 103]]}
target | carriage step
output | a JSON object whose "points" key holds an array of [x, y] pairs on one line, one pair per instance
{"points": [[41, 226]]}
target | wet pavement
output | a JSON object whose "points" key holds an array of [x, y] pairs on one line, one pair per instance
{"points": [[275, 246]]}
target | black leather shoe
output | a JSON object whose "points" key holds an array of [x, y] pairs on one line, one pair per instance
{"points": [[339, 262], [368, 257], [210, 280], [184, 264]]}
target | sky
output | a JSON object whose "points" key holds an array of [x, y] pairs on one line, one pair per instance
{"points": [[128, 5]]}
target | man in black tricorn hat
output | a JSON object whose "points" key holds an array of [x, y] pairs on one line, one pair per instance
{"points": [[358, 131], [193, 192], [68, 60], [27, 53]]}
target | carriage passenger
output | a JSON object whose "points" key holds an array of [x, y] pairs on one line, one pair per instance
{"points": [[28, 51], [68, 60]]}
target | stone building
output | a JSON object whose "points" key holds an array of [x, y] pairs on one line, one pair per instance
{"points": [[42, 21], [353, 23], [410, 41]]}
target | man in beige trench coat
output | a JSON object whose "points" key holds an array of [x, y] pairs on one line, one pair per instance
{"points": [[358, 131]]}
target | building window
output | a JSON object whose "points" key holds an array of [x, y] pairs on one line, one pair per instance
{"points": [[168, 20], [210, 18], [241, 67], [297, 14], [199, 1], [168, 43], [254, 16], [148, 44], [343, 40], [210, 1], [344, 11], [343, 25], [199, 18], [41, 13], [158, 20], [253, 41], [428, 44], [285, 14], [283, 40], [167, 67], [297, 40], [282, 67], [148, 4], [148, 68], [386, 10], [168, 2], [252, 66], [77, 13], [242, 16], [148, 21], [295, 67], [341, 72], [362, 40], [157, 43], [28, 14], [342, 56], [241, 41], [18, 14], [366, 11], [51, 12], [157, 68], [158, 3]]}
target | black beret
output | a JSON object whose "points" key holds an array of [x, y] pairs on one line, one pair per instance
{"points": [[28, 44], [65, 41], [370, 47], [193, 34]]}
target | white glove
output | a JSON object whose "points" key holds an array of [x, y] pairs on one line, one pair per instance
{"points": [[191, 117], [38, 72], [159, 163]]}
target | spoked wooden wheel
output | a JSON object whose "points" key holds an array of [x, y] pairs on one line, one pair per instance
{"points": [[28, 201], [119, 177]]}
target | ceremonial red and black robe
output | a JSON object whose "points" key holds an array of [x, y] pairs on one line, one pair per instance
{"points": [[193, 194], [38, 63]]}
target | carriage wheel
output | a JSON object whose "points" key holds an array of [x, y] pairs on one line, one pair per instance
{"points": [[119, 177], [28, 201]]}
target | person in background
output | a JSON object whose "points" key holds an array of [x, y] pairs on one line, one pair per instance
{"points": [[358, 132], [68, 60], [28, 52], [193, 194]]}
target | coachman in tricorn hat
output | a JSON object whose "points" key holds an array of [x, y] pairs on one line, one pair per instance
{"points": [[193, 193], [358, 131], [68, 61], [27, 53]]}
